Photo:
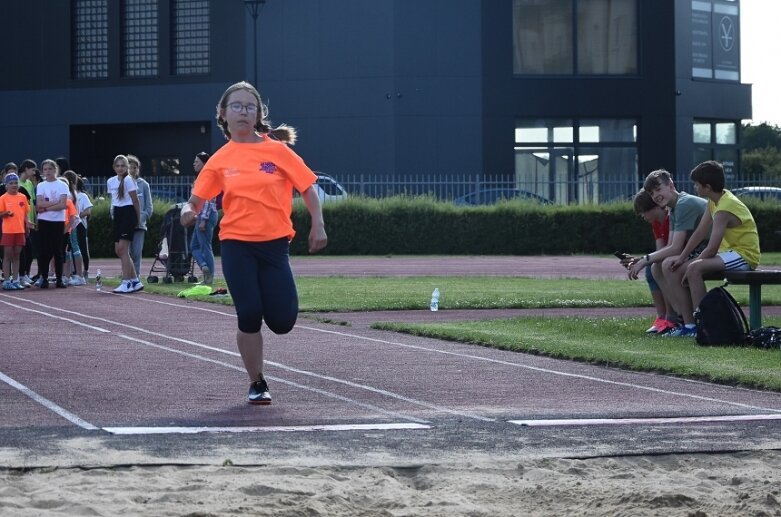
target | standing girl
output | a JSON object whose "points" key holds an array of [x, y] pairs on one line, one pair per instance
{"points": [[126, 212], [203, 233], [257, 172], [50, 202]]}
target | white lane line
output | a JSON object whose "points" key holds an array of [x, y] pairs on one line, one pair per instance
{"points": [[269, 429], [364, 405], [75, 322], [48, 404], [366, 387], [645, 421], [548, 370], [228, 365]]}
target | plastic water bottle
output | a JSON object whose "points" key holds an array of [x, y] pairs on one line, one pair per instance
{"points": [[98, 281], [435, 300]]}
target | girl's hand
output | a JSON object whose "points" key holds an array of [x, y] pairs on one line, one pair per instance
{"points": [[187, 215], [317, 239]]}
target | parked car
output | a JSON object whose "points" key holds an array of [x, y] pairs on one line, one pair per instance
{"points": [[763, 193], [327, 188], [490, 196]]}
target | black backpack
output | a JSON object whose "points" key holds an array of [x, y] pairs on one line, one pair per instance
{"points": [[719, 319]]}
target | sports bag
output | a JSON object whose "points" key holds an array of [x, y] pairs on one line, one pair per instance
{"points": [[719, 320], [765, 337]]}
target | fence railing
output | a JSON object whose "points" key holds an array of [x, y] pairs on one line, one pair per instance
{"points": [[452, 187]]}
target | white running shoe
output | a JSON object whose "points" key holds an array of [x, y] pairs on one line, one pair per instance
{"points": [[136, 285], [77, 280], [124, 287]]}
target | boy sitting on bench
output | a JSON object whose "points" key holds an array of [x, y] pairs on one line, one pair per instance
{"points": [[734, 241]]}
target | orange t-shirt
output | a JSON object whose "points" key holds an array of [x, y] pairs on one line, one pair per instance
{"points": [[70, 211], [258, 181], [18, 204]]}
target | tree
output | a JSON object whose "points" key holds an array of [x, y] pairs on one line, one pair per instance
{"points": [[762, 163], [761, 137]]}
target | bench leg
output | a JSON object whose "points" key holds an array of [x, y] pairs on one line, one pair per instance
{"points": [[755, 305]]}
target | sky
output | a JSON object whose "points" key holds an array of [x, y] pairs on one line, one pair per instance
{"points": [[760, 57]]}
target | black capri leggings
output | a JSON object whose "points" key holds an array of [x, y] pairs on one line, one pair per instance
{"points": [[50, 239], [261, 284]]}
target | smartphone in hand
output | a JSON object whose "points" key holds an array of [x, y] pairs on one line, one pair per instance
{"points": [[622, 255]]}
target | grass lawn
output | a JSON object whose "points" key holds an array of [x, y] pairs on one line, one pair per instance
{"points": [[611, 341]]}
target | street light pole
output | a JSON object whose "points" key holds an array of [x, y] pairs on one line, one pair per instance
{"points": [[254, 7]]}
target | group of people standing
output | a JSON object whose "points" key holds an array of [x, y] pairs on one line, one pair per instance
{"points": [[44, 214]]}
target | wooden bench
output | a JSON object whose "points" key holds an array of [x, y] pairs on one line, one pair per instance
{"points": [[754, 280]]}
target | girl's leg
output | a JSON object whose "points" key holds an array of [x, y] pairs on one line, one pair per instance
{"points": [[208, 254], [7, 250], [122, 249], [81, 233], [195, 247], [251, 350]]}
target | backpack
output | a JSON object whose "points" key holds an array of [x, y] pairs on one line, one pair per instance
{"points": [[719, 320]]}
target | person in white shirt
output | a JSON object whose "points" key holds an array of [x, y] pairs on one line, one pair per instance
{"points": [[51, 199], [126, 212]]}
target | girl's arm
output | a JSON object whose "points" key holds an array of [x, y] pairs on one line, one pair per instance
{"points": [[317, 237], [134, 196]]}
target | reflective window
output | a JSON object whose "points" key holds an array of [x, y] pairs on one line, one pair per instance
{"points": [[139, 38], [89, 43], [717, 140], [607, 37], [190, 37], [597, 37], [577, 161]]}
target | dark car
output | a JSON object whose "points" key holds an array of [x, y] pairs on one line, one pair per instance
{"points": [[489, 196], [763, 193]]}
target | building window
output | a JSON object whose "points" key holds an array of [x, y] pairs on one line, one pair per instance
{"points": [[89, 44], [715, 40], [139, 38], [551, 37], [717, 140], [190, 36], [577, 161]]}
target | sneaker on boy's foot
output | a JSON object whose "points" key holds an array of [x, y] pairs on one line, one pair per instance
{"points": [[258, 393], [208, 275], [136, 285], [124, 287], [16, 285], [683, 331], [7, 286], [658, 326]]}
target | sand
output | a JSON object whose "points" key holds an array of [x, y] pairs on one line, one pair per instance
{"points": [[746, 483]]}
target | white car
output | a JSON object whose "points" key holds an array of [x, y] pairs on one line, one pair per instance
{"points": [[328, 189]]}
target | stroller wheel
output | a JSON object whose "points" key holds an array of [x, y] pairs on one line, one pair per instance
{"points": [[167, 279], [152, 279], [192, 279]]}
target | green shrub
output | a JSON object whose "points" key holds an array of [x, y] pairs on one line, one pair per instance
{"points": [[407, 225]]}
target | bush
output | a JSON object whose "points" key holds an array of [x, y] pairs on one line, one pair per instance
{"points": [[405, 225]]}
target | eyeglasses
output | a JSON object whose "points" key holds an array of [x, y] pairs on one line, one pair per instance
{"points": [[236, 107]]}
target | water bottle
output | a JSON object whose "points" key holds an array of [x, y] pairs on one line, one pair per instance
{"points": [[435, 300], [98, 281]]}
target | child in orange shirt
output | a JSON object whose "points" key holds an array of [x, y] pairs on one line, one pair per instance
{"points": [[13, 211]]}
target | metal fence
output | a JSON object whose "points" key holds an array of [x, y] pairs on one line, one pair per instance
{"points": [[452, 187]]}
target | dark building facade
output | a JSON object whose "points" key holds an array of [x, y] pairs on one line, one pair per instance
{"points": [[576, 99]]}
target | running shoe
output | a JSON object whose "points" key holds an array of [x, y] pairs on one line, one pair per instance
{"points": [[7, 286], [60, 284], [77, 280], [657, 326], [124, 287], [683, 331], [44, 283], [16, 285], [135, 286], [258, 393]]}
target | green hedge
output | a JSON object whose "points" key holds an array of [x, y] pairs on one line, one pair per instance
{"points": [[420, 225]]}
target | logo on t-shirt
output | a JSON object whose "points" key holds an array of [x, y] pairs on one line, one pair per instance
{"points": [[268, 167]]}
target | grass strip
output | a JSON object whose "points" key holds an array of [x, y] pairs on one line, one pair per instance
{"points": [[616, 342]]}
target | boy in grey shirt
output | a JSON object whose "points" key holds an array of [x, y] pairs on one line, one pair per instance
{"points": [[685, 214]]}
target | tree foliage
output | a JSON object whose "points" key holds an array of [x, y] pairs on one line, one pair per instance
{"points": [[761, 137]]}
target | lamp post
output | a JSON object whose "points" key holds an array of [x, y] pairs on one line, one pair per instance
{"points": [[254, 7]]}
